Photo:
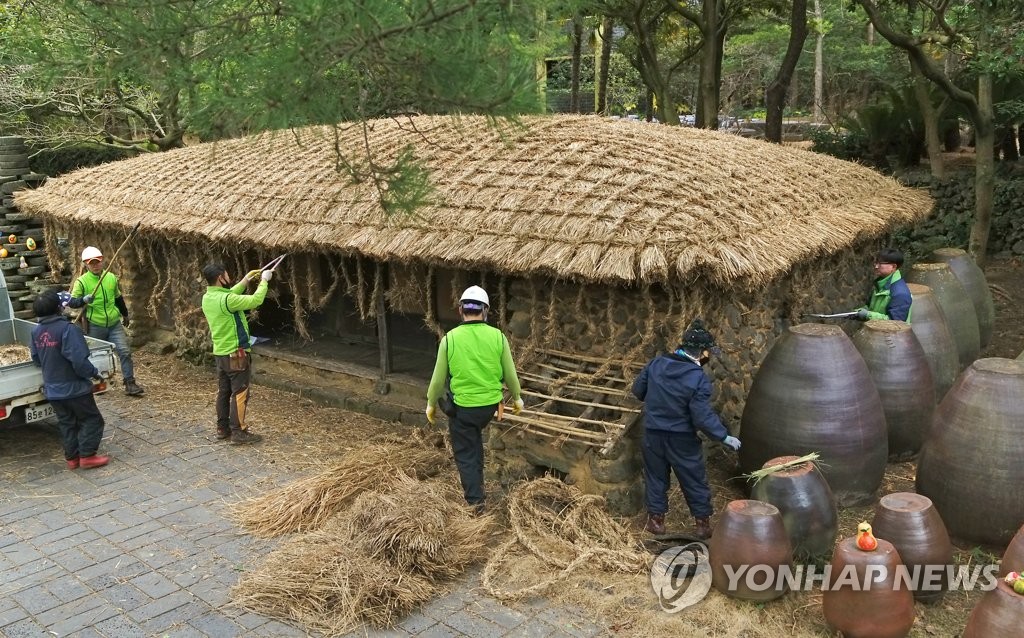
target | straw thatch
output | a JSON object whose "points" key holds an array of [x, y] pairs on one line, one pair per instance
{"points": [[375, 562], [580, 197]]}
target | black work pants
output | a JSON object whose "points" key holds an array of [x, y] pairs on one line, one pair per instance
{"points": [[466, 432], [667, 453], [233, 374], [81, 425]]}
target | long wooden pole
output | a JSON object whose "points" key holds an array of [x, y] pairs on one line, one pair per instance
{"points": [[106, 269]]}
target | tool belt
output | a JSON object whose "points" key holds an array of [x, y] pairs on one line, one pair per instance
{"points": [[238, 360]]}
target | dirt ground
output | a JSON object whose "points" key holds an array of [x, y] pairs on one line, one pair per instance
{"points": [[302, 436]]}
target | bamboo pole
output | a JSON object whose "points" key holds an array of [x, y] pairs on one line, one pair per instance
{"points": [[577, 419], [583, 357], [606, 406], [554, 427], [553, 367], [575, 386]]}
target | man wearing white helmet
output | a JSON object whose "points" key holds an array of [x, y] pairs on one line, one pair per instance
{"points": [[477, 358], [106, 313]]}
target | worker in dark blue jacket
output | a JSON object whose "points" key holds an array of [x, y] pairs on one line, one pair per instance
{"points": [[677, 404], [59, 348]]}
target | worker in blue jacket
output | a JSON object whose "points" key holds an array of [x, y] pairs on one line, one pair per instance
{"points": [[677, 404], [59, 348]]}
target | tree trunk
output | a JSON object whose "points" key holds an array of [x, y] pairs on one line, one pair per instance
{"points": [[819, 63], [707, 83], [577, 51], [775, 94], [930, 115], [984, 182], [601, 103], [1008, 144]]}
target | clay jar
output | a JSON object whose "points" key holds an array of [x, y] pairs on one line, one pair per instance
{"points": [[956, 306], [806, 504], [873, 607], [997, 614], [1013, 557], [973, 280], [912, 524], [932, 331], [970, 464], [900, 370], [750, 535], [814, 393]]}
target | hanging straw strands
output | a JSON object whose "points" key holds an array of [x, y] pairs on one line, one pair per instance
{"points": [[306, 504], [757, 475], [391, 551], [566, 530]]}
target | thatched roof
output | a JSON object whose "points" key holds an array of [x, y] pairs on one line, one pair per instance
{"points": [[580, 197]]}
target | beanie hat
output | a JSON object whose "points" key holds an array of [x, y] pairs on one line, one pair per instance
{"points": [[697, 336]]}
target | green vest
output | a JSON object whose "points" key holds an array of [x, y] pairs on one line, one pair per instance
{"points": [[225, 312], [474, 363], [102, 311], [881, 295]]}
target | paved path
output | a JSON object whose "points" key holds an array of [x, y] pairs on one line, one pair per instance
{"points": [[142, 547]]}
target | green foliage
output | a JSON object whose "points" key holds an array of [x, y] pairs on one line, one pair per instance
{"points": [[57, 161], [846, 145]]}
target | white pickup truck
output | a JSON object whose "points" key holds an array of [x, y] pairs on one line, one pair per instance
{"points": [[21, 384]]}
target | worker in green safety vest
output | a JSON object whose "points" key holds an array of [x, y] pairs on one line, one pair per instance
{"points": [[890, 296]]}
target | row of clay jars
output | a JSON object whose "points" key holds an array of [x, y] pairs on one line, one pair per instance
{"points": [[970, 464], [932, 331], [899, 367], [814, 393], [952, 297], [973, 280]]}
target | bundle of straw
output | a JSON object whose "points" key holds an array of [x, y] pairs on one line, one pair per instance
{"points": [[389, 553], [757, 475], [307, 503]]}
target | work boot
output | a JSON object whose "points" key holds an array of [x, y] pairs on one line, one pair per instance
{"points": [[702, 529], [655, 523], [223, 433], [73, 463], [133, 389], [240, 437], [89, 462]]}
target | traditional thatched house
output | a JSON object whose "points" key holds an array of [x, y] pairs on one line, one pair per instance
{"points": [[598, 240]]}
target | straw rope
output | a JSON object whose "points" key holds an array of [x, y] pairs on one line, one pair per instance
{"points": [[565, 529]]}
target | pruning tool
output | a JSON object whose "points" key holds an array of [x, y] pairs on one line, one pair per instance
{"points": [[838, 315]]}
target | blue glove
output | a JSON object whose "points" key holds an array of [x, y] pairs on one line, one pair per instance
{"points": [[863, 314], [732, 442]]}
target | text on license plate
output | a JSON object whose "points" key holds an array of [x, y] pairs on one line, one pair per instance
{"points": [[38, 412]]}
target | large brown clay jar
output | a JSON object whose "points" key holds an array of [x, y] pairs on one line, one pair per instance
{"points": [[1013, 557], [950, 294], [973, 280], [880, 610], [900, 370], [806, 504], [912, 524], [814, 393], [932, 331], [998, 614], [970, 464], [750, 533]]}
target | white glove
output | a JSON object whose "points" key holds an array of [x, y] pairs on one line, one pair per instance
{"points": [[431, 413], [518, 406], [732, 442], [267, 275]]}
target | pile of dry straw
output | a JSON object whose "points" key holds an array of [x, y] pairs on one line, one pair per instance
{"points": [[378, 542]]}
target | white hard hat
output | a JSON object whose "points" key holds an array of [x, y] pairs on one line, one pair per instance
{"points": [[475, 294], [91, 252]]}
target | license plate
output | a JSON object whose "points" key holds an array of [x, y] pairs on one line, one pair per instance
{"points": [[38, 412]]}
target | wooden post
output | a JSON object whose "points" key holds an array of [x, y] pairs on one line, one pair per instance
{"points": [[383, 327]]}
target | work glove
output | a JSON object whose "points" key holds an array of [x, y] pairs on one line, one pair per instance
{"points": [[267, 275], [252, 275], [125, 321], [88, 299], [518, 405], [863, 314], [732, 442], [431, 413]]}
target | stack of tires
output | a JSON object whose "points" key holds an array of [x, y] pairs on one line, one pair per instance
{"points": [[22, 254]]}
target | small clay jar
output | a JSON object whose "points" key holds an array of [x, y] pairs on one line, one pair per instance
{"points": [[903, 377], [912, 524], [814, 393], [973, 280], [956, 305], [750, 535], [970, 464], [999, 613], [1013, 557], [932, 331], [877, 610], [806, 504]]}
